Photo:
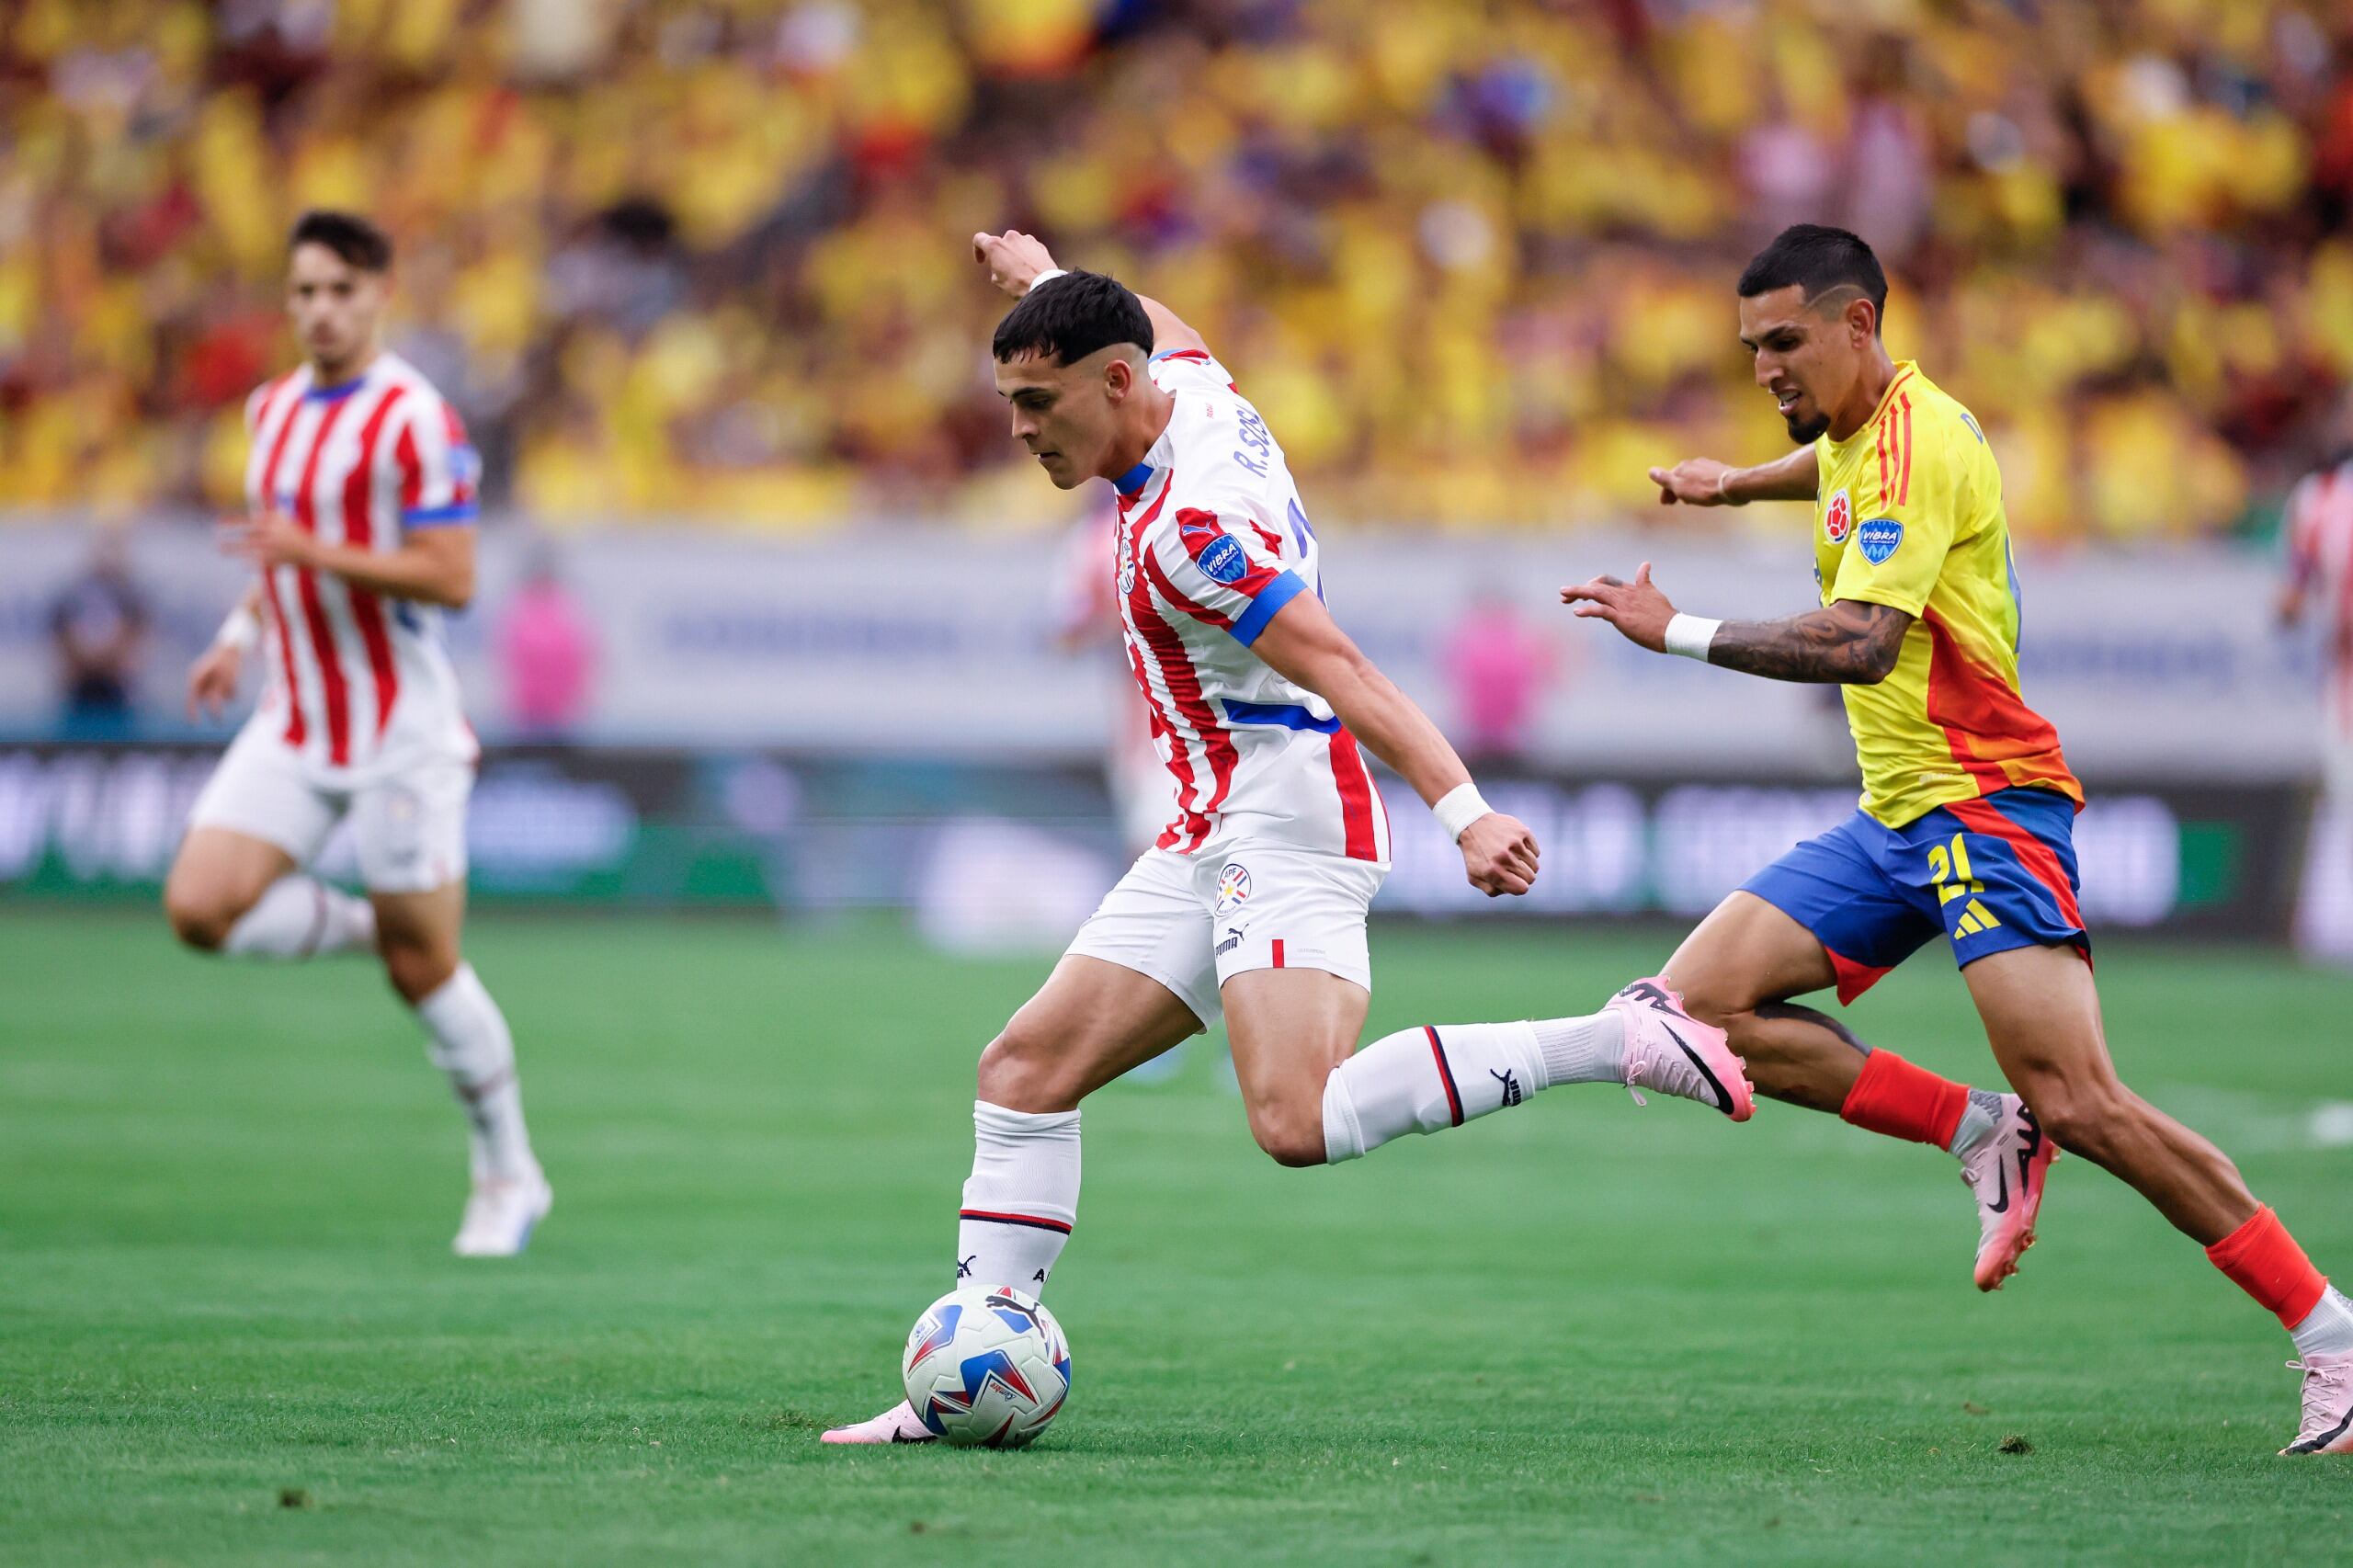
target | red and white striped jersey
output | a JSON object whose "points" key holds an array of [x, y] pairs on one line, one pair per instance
{"points": [[359, 683], [1213, 542]]}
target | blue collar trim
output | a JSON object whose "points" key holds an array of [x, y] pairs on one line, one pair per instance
{"points": [[1132, 482], [337, 392]]}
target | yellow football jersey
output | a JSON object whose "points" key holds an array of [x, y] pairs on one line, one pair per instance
{"points": [[1908, 513]]}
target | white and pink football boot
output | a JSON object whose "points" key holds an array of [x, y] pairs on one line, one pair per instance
{"points": [[899, 1424], [2328, 1406], [2006, 1170], [1670, 1050]]}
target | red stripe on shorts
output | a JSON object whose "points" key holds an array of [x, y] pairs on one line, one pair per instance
{"points": [[2039, 860]]}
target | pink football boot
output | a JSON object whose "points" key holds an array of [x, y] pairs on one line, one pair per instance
{"points": [[2006, 1170], [1670, 1050]]}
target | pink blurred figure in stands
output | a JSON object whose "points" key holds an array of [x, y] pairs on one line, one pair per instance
{"points": [[1498, 667], [547, 654]]}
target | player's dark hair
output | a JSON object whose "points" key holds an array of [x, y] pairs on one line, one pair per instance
{"points": [[1817, 258], [360, 242], [1071, 317]]}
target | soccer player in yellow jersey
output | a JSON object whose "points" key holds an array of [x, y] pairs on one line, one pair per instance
{"points": [[1965, 825]]}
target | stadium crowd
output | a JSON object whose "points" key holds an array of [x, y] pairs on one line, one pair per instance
{"points": [[705, 258]]}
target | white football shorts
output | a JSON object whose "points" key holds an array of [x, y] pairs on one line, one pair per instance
{"points": [[408, 827], [1194, 922]]}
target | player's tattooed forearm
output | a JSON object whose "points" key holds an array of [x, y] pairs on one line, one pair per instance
{"points": [[1846, 643]]}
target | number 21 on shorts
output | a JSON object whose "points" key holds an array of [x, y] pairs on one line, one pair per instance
{"points": [[1948, 867]]}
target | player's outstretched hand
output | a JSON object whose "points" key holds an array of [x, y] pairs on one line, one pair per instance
{"points": [[1636, 609], [1013, 259], [212, 680], [1499, 854], [1695, 481]]}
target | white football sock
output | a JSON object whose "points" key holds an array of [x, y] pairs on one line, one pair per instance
{"points": [[2327, 1329], [301, 918], [1021, 1198], [471, 1043], [1424, 1079], [1979, 1122], [1591, 1049]]}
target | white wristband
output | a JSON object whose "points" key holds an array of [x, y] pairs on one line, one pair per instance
{"points": [[1047, 277], [240, 631], [1458, 807], [1690, 635]]}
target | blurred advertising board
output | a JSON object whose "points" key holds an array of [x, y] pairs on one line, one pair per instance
{"points": [[1006, 853], [924, 640]]}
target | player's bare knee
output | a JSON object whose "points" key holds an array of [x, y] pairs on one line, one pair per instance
{"points": [[1713, 1004], [1289, 1130], [417, 970], [1713, 995], [199, 919], [1020, 1070]]}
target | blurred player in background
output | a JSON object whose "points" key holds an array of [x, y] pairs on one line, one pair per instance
{"points": [[2319, 586], [1966, 820], [1253, 898], [99, 625], [360, 507]]}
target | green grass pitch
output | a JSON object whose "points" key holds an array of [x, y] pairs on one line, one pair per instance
{"points": [[231, 1331]]}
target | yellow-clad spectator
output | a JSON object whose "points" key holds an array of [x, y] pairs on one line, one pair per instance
{"points": [[704, 261]]}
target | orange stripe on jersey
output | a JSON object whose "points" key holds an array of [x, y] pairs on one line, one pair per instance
{"points": [[1892, 443], [1903, 484], [1996, 737]]}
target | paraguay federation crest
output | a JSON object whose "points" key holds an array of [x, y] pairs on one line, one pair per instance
{"points": [[1127, 563], [1232, 886], [1838, 517]]}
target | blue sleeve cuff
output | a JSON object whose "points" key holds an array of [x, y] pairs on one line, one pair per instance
{"points": [[1271, 597], [430, 517]]}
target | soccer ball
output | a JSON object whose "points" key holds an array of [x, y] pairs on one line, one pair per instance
{"points": [[987, 1367]]}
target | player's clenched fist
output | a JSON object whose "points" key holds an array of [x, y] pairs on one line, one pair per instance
{"points": [[1696, 482], [1014, 259], [1499, 854], [212, 680]]}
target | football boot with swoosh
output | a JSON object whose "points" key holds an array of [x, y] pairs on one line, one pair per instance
{"points": [[2006, 1170], [1670, 1050]]}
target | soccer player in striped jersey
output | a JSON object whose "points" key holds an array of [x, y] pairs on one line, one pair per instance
{"points": [[360, 490], [1253, 900], [2319, 527], [1965, 825]]}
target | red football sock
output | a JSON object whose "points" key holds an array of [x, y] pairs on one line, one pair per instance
{"points": [[2264, 1260], [1901, 1100]]}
